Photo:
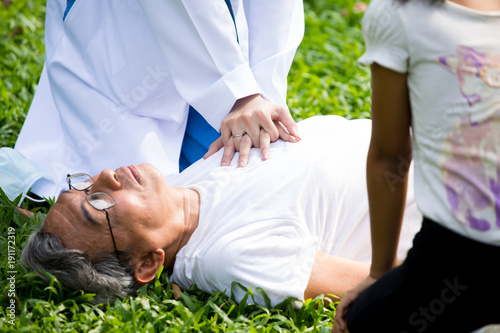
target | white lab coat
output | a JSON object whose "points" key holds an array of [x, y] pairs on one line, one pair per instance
{"points": [[120, 75]]}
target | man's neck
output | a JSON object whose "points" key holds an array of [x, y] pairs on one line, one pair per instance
{"points": [[190, 214]]}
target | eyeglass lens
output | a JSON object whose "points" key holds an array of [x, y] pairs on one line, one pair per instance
{"points": [[80, 181], [100, 200]]}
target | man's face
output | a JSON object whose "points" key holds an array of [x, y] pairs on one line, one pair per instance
{"points": [[139, 193]]}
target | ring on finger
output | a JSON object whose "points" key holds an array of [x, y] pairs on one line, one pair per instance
{"points": [[234, 136]]}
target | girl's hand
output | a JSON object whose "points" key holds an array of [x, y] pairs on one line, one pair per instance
{"points": [[176, 289], [339, 323]]}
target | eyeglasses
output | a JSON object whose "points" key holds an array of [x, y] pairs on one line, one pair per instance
{"points": [[99, 200]]}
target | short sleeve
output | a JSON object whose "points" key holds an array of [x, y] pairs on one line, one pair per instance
{"points": [[278, 262], [385, 36]]}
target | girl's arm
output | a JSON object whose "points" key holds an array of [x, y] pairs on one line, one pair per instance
{"points": [[387, 177], [387, 164]]}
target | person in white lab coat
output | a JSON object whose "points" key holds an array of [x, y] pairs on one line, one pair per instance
{"points": [[122, 76]]}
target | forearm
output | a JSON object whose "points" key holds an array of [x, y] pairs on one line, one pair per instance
{"points": [[333, 275], [276, 29], [199, 44], [387, 180]]}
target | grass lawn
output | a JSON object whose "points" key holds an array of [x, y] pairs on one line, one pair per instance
{"points": [[325, 79]]}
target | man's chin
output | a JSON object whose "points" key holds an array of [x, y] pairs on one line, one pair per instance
{"points": [[147, 167], [150, 170]]}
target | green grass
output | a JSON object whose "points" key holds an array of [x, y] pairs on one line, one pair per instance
{"points": [[21, 60], [325, 76], [325, 79]]}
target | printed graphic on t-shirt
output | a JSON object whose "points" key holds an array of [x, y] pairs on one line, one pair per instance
{"points": [[471, 151], [478, 73]]}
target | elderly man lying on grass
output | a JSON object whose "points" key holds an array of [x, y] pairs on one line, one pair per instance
{"points": [[296, 225]]}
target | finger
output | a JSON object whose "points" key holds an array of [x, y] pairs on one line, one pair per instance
{"points": [[252, 132], [284, 135], [228, 153], [176, 289], [336, 328], [340, 322], [283, 115], [265, 141], [342, 308], [242, 123], [237, 141], [245, 147], [226, 129], [270, 127], [214, 147], [260, 117]]}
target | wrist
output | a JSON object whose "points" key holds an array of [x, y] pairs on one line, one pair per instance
{"points": [[243, 101], [377, 274], [378, 270]]}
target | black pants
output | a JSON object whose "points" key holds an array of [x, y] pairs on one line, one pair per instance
{"points": [[448, 283]]}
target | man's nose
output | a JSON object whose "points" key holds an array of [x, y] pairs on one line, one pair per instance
{"points": [[107, 179]]}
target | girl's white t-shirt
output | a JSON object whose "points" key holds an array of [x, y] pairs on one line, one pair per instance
{"points": [[261, 225], [452, 57]]}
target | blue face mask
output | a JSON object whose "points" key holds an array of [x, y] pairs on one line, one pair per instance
{"points": [[17, 174]]}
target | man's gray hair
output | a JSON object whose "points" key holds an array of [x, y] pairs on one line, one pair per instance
{"points": [[107, 277]]}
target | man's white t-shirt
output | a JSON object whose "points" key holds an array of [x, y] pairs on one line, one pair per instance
{"points": [[452, 56], [261, 225]]}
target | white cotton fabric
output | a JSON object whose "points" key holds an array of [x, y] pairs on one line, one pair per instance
{"points": [[261, 225], [452, 56], [119, 76]]}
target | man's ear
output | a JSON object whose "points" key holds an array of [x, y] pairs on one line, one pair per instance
{"points": [[146, 267]]}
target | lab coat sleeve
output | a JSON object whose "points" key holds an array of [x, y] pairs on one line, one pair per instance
{"points": [[198, 40], [276, 29]]}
